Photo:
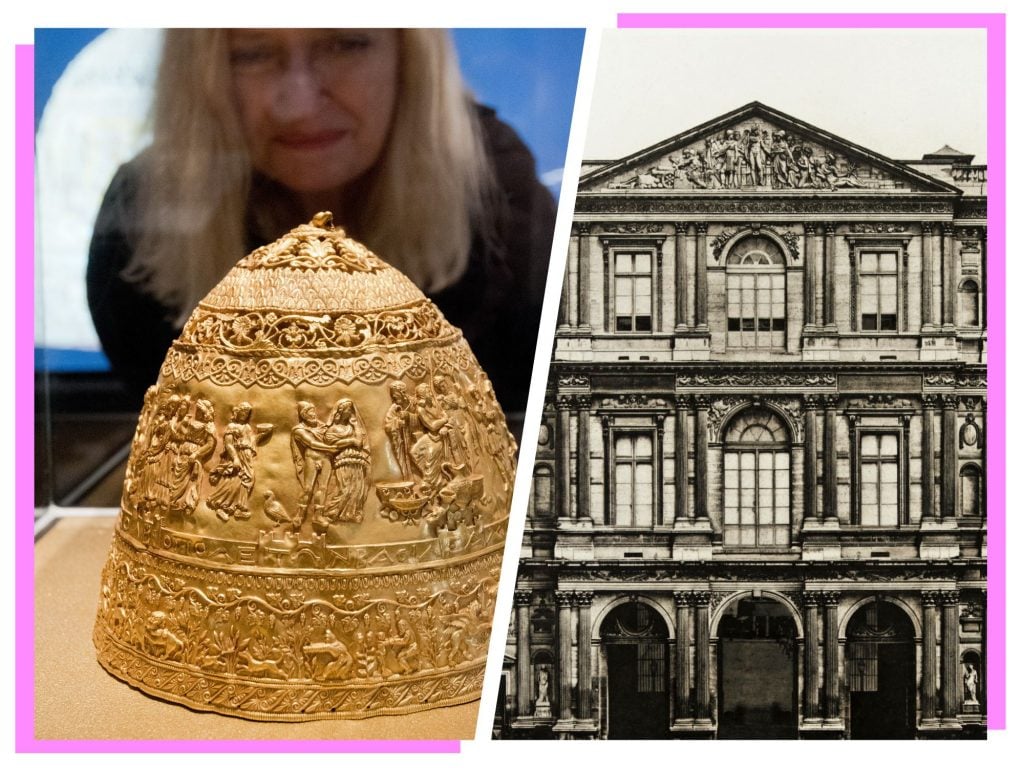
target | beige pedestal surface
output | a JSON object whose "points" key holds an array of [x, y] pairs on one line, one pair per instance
{"points": [[75, 698]]}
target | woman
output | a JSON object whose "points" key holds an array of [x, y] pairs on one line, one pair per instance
{"points": [[257, 130]]}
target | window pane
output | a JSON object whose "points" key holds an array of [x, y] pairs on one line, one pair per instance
{"points": [[889, 445], [642, 323], [643, 286], [869, 322], [623, 447], [887, 262], [888, 323], [747, 461], [869, 445], [644, 446], [643, 262], [623, 262], [624, 323], [869, 262]]}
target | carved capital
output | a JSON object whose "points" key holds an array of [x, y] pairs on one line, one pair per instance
{"points": [[830, 228], [682, 599], [683, 401], [702, 227], [831, 402], [930, 598], [927, 228], [564, 599], [947, 229], [949, 402], [930, 402], [583, 228], [830, 599], [681, 227], [702, 402], [701, 599], [813, 402], [583, 599], [810, 228], [950, 597], [565, 402], [810, 599], [523, 597]]}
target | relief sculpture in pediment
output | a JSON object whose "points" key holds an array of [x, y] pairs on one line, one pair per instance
{"points": [[754, 156]]}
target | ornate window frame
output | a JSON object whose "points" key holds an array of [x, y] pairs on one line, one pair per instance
{"points": [[900, 427], [614, 244], [858, 243]]}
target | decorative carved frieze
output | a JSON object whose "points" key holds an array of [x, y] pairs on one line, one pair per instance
{"points": [[877, 228], [633, 228], [574, 380], [940, 380], [619, 203], [632, 401], [885, 401], [757, 379]]}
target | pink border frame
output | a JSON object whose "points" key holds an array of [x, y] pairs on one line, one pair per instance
{"points": [[24, 569], [995, 26]]}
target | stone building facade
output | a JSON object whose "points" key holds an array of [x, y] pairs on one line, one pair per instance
{"points": [[758, 505]]}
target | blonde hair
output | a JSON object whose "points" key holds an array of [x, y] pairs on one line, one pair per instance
{"points": [[418, 208]]}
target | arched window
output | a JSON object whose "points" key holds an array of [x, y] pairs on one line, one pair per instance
{"points": [[970, 311], [756, 481], [970, 490], [756, 294]]}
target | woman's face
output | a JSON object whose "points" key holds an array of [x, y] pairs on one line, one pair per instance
{"points": [[316, 105]]}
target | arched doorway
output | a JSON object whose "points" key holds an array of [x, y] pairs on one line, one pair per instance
{"points": [[634, 640], [757, 663], [880, 672]]}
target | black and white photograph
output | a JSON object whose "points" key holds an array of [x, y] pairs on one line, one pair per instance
{"points": [[758, 502]]}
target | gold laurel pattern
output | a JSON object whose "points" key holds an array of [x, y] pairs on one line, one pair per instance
{"points": [[347, 332]]}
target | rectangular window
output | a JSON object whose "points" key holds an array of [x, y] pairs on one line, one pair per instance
{"points": [[633, 292], [634, 481], [878, 286], [756, 498], [756, 309], [879, 480]]}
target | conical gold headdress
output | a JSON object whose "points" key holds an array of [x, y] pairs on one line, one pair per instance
{"points": [[316, 501]]}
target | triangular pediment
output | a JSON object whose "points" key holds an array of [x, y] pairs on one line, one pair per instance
{"points": [[759, 149]]}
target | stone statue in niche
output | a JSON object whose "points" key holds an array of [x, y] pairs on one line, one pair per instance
{"points": [[970, 684], [542, 705]]}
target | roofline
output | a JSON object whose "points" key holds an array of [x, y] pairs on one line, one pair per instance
{"points": [[756, 107]]}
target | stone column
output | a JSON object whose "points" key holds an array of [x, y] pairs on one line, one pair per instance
{"points": [[950, 654], [681, 451], [583, 458], [583, 277], [927, 316], [947, 500], [523, 687], [810, 274], [682, 311], [564, 601], [812, 679], [682, 690], [829, 276], [563, 304], [831, 460], [928, 458], [702, 665], [700, 469], [948, 276], [701, 289], [928, 600], [586, 683], [811, 405], [562, 453], [830, 601]]}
